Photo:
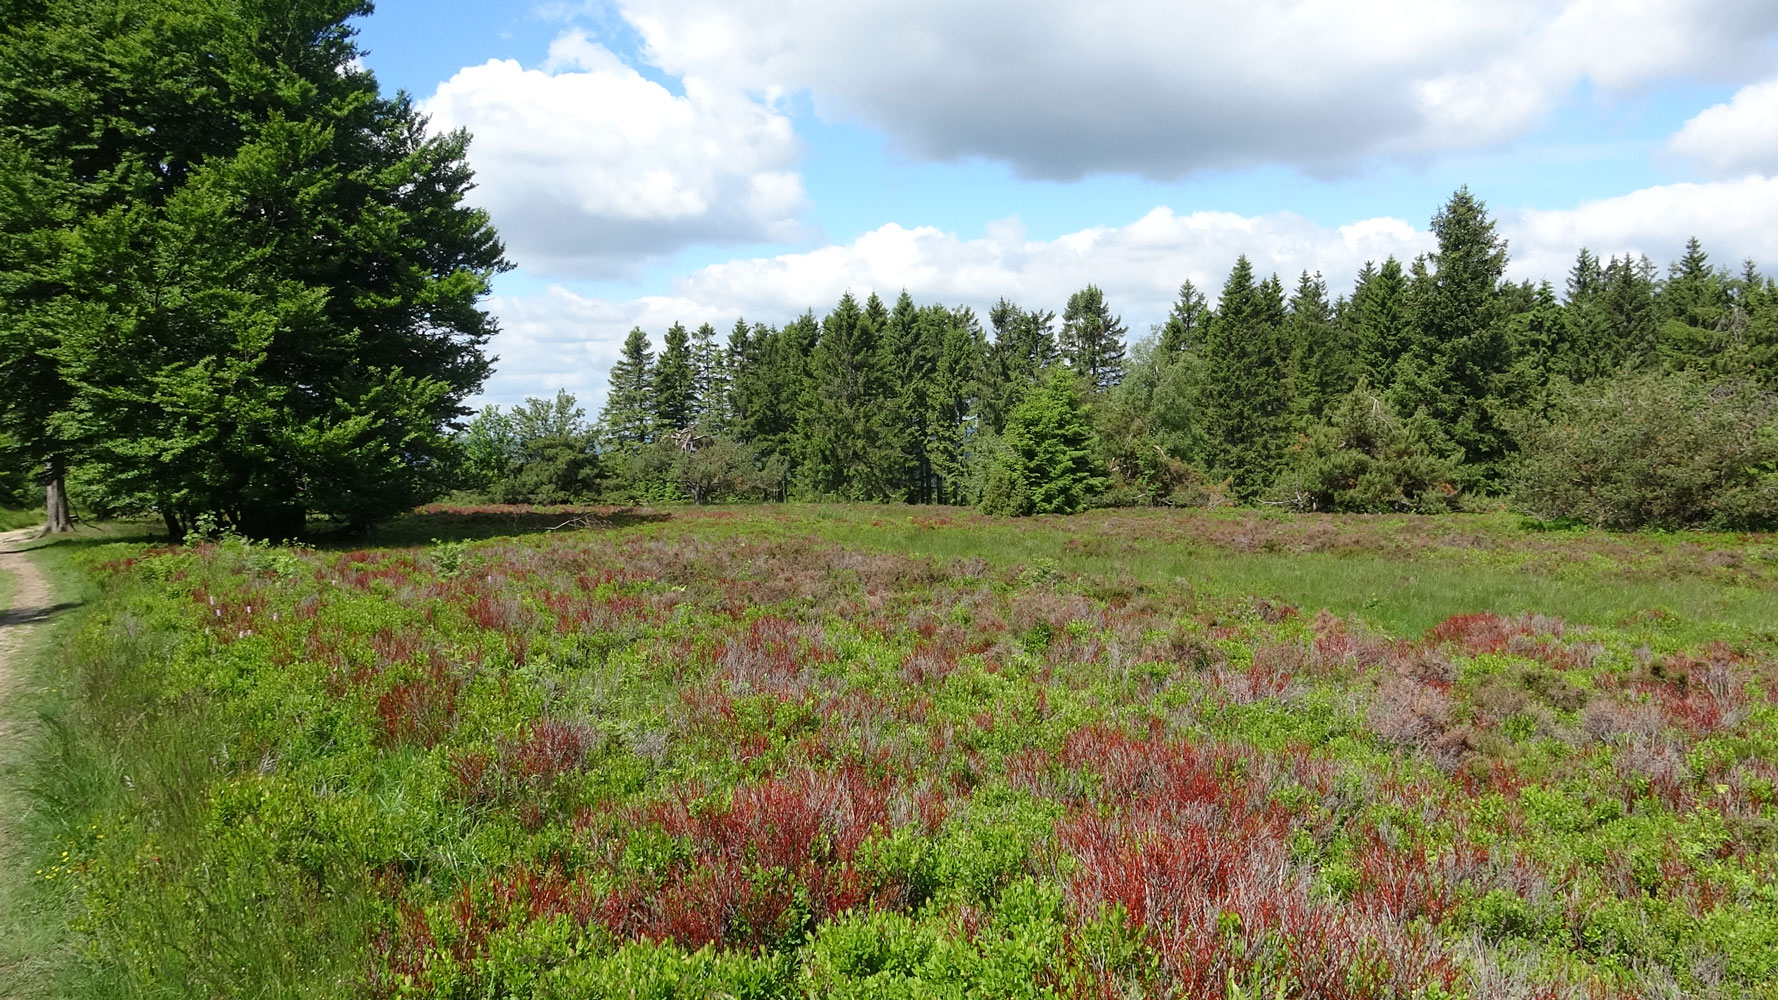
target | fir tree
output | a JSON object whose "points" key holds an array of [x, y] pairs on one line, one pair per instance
{"points": [[1049, 463], [675, 382], [1093, 339], [1184, 329], [1321, 359], [710, 380], [1243, 398], [843, 427], [628, 416]]}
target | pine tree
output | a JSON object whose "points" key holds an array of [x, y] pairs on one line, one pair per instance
{"points": [[1049, 465], [675, 383], [628, 416], [1093, 339], [1243, 398]]}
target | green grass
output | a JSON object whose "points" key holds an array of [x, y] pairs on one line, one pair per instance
{"points": [[45, 789], [1397, 573], [12, 518]]}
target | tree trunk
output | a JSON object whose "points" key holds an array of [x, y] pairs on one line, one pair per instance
{"points": [[58, 518], [175, 527]]}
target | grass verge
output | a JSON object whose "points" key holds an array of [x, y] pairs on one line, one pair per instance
{"points": [[46, 791]]}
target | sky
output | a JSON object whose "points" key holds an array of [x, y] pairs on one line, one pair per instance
{"points": [[658, 161]]}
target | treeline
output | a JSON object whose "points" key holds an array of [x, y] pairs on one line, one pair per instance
{"points": [[1430, 382]]}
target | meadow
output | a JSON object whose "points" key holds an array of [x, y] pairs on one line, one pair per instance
{"points": [[850, 751]]}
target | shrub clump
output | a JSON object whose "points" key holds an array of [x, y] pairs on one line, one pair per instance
{"points": [[1665, 450]]}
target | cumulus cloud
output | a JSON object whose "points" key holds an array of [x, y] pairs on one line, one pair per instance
{"points": [[562, 338], [589, 167], [1737, 137], [1060, 89]]}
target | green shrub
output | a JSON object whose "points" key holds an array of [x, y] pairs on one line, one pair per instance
{"points": [[1654, 450]]}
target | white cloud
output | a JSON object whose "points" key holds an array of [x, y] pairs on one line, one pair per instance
{"points": [[1058, 89], [588, 167], [561, 338], [1734, 219], [1738, 137]]}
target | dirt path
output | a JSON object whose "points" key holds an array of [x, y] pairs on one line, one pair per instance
{"points": [[31, 603]]}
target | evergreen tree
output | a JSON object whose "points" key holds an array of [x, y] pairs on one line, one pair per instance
{"points": [[1093, 339], [1381, 309], [951, 399], [1048, 465], [1460, 334], [1024, 347], [1321, 358], [1698, 318], [1184, 329], [843, 427], [257, 294], [710, 380], [675, 383], [1364, 458], [909, 354], [628, 416], [1243, 397]]}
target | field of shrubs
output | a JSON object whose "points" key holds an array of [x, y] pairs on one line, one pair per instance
{"points": [[741, 754]]}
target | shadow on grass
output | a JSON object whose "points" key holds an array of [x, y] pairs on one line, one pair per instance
{"points": [[454, 524]]}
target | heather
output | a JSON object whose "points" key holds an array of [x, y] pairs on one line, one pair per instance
{"points": [[782, 752]]}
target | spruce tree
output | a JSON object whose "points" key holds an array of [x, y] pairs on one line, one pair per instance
{"points": [[843, 428], [1697, 316], [675, 382], [1380, 306], [1184, 329], [1049, 464], [1243, 397], [909, 353], [1321, 358], [240, 281], [1093, 339], [628, 416], [710, 380], [951, 398], [1024, 347], [1461, 343]]}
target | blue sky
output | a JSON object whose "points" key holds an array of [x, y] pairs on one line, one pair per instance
{"points": [[659, 160]]}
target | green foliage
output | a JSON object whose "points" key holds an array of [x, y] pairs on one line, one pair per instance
{"points": [[250, 285], [628, 419], [1242, 399], [1654, 450], [1049, 463], [1092, 339], [1363, 458]]}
